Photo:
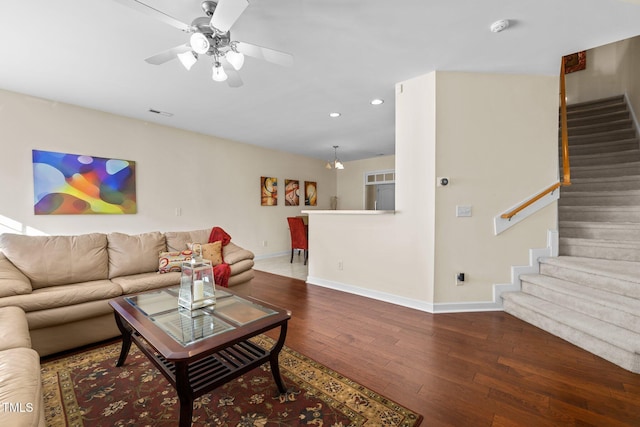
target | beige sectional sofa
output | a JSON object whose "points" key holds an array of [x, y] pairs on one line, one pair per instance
{"points": [[20, 387], [64, 283]]}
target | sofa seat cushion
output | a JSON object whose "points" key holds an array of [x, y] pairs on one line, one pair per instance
{"points": [[12, 280], [20, 386], [146, 282], [69, 314], [58, 260], [134, 254], [14, 330], [64, 295]]}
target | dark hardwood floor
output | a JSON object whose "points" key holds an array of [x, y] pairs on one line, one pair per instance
{"points": [[468, 369]]}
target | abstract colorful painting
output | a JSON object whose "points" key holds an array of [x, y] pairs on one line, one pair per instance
{"points": [[310, 193], [268, 191], [79, 184], [291, 192]]}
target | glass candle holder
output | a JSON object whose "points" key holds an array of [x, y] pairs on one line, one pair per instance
{"points": [[197, 286]]}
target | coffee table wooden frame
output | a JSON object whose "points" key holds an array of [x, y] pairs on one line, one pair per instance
{"points": [[199, 368]]}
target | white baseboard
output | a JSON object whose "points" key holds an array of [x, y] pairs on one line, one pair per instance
{"points": [[273, 255], [377, 295], [454, 307]]}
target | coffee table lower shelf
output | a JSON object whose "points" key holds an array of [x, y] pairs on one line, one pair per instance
{"points": [[212, 371]]}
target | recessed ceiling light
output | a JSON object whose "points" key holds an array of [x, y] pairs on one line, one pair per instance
{"points": [[377, 101], [334, 115]]}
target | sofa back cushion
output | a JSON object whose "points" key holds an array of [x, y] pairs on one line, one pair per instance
{"points": [[177, 240], [58, 260], [134, 254]]}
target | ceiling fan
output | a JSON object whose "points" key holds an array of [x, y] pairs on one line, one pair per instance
{"points": [[210, 36]]}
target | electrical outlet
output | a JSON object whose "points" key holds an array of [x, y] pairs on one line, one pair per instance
{"points": [[340, 265], [264, 243], [460, 277], [178, 211]]}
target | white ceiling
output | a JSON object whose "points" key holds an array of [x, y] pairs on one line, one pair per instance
{"points": [[347, 52]]}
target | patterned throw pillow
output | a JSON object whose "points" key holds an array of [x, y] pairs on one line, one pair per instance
{"points": [[172, 261], [213, 252], [210, 251]]}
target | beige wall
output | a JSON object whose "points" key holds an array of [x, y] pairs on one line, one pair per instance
{"points": [[213, 181], [611, 70], [351, 180], [497, 144], [495, 137]]}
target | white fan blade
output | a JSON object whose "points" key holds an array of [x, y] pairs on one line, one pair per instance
{"points": [[146, 9], [233, 76], [274, 56], [168, 54], [227, 13]]}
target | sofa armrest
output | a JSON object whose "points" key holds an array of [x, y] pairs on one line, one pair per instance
{"points": [[233, 253], [12, 281]]}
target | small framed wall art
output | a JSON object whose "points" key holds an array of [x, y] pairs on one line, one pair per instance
{"points": [[291, 192], [310, 193], [268, 191], [575, 62]]}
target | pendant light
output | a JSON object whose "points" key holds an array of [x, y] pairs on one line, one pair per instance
{"points": [[336, 164]]}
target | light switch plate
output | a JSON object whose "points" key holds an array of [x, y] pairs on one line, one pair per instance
{"points": [[463, 211]]}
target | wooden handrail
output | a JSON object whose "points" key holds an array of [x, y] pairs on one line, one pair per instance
{"points": [[566, 171], [512, 212]]}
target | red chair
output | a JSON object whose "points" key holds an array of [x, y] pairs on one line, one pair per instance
{"points": [[298, 237]]}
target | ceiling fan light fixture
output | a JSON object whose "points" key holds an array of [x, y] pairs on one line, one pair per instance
{"points": [[236, 59], [199, 43], [218, 73], [188, 59]]}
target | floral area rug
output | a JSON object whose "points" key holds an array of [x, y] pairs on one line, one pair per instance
{"points": [[88, 389]]}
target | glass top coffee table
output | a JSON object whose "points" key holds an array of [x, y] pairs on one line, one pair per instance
{"points": [[201, 350]]}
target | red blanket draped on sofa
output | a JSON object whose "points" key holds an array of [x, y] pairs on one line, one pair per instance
{"points": [[221, 272]]}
